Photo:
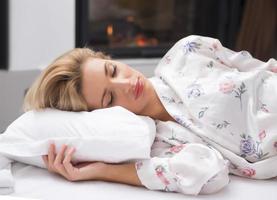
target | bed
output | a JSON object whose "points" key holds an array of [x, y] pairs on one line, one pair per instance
{"points": [[36, 183]]}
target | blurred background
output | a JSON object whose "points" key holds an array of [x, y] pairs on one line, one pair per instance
{"points": [[33, 32], [137, 32], [141, 28]]}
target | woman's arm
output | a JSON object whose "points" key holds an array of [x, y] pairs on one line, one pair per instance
{"points": [[242, 60], [202, 169], [61, 164], [121, 173], [213, 49]]}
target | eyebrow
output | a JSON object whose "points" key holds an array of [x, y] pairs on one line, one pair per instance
{"points": [[105, 90]]}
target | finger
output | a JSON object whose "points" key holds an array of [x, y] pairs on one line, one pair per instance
{"points": [[60, 156], [51, 154], [58, 166], [51, 160], [68, 174], [45, 160], [67, 161], [48, 167]]}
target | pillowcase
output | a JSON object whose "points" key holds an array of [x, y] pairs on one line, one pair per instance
{"points": [[110, 135]]}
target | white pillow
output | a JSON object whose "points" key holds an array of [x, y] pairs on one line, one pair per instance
{"points": [[110, 135]]}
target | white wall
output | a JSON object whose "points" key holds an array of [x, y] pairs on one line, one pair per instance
{"points": [[13, 85], [39, 30]]}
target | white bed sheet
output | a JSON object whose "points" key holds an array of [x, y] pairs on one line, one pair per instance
{"points": [[37, 183]]}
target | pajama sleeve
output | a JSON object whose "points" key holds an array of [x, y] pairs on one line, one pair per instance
{"points": [[191, 169], [242, 60]]}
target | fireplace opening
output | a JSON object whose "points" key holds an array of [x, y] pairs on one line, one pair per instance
{"points": [[143, 28]]}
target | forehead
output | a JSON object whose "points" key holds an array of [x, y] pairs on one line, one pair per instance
{"points": [[93, 81]]}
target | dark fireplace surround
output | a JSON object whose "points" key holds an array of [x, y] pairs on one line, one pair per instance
{"points": [[4, 34]]}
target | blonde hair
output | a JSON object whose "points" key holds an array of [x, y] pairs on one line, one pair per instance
{"points": [[59, 85]]}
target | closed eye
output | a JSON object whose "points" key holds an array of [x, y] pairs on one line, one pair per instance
{"points": [[114, 70], [111, 101]]}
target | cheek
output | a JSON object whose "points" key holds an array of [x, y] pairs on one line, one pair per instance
{"points": [[142, 103], [129, 72], [133, 106]]}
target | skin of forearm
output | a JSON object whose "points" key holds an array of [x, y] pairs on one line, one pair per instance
{"points": [[120, 173]]}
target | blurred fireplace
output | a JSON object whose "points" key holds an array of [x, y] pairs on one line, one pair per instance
{"points": [[144, 28]]}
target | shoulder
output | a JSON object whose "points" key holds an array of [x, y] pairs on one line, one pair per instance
{"points": [[196, 38]]}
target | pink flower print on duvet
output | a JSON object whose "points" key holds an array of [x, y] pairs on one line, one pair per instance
{"points": [[215, 46], [244, 171], [160, 170], [262, 135], [274, 69], [138, 165], [248, 172], [176, 148], [227, 86]]}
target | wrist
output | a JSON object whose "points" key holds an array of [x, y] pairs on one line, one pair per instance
{"points": [[120, 173], [102, 172], [108, 172]]}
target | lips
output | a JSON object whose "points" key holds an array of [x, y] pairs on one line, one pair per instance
{"points": [[138, 88]]}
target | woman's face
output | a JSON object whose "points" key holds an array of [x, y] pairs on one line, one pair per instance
{"points": [[108, 83]]}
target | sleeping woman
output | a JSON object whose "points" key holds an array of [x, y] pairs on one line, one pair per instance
{"points": [[215, 112]]}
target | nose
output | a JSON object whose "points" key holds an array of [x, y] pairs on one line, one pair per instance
{"points": [[124, 85]]}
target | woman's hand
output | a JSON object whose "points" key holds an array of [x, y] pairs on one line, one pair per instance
{"points": [[61, 164]]}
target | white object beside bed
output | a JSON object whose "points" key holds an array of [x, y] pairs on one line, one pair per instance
{"points": [[38, 183]]}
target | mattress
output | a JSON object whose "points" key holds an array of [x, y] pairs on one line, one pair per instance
{"points": [[36, 183]]}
